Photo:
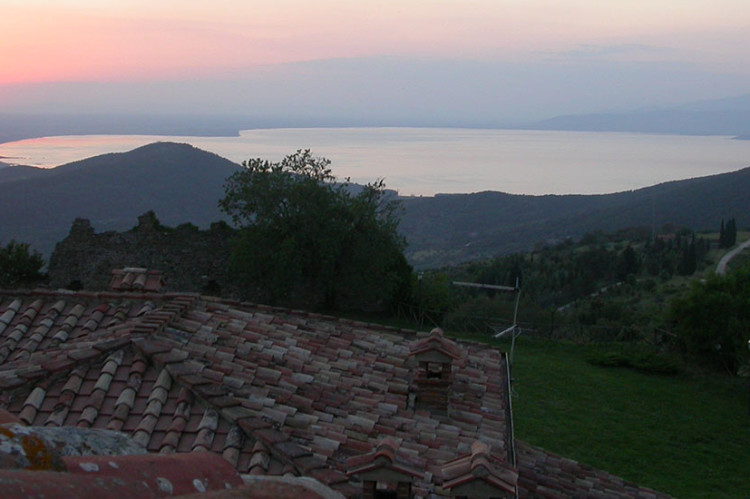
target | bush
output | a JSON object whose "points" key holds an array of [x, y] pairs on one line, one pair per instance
{"points": [[647, 362], [713, 320], [19, 265]]}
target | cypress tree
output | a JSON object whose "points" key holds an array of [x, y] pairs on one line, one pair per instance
{"points": [[731, 232]]}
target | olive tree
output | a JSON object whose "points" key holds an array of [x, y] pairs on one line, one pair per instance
{"points": [[306, 240]]}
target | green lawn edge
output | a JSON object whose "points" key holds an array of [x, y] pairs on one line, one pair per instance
{"points": [[686, 435]]}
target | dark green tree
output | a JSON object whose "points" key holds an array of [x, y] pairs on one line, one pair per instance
{"points": [[307, 240], [19, 264], [689, 259], [627, 263], [712, 321], [728, 233], [731, 232]]}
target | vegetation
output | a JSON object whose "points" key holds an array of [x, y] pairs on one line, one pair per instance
{"points": [[712, 321], [685, 434], [306, 240], [606, 287], [19, 264], [728, 233]]}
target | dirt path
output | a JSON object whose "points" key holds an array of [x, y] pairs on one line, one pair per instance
{"points": [[721, 268]]}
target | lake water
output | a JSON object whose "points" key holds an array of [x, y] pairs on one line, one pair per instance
{"points": [[426, 161]]}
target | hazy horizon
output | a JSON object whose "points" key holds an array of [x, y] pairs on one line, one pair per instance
{"points": [[429, 161], [458, 63]]}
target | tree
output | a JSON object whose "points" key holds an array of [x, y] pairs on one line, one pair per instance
{"points": [[731, 232], [712, 321], [728, 233], [307, 240], [688, 263], [627, 263], [18, 264]]}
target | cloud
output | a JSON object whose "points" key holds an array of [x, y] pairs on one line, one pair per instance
{"points": [[612, 52], [395, 91]]}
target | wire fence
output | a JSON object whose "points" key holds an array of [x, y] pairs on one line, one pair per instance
{"points": [[559, 327]]}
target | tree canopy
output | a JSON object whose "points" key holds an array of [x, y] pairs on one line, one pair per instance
{"points": [[19, 264], [713, 320], [306, 240]]}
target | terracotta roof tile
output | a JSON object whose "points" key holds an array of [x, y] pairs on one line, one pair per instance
{"points": [[133, 278], [272, 391]]}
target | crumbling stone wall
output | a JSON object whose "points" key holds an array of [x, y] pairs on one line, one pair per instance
{"points": [[191, 259]]}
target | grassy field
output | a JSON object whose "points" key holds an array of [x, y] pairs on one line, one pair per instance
{"points": [[686, 435]]}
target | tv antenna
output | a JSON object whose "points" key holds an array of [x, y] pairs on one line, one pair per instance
{"points": [[514, 330]]}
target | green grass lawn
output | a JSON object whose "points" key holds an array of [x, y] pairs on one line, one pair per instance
{"points": [[686, 435]]}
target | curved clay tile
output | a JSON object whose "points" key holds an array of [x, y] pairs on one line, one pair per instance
{"points": [[103, 382], [68, 324], [206, 431], [179, 422], [233, 445], [156, 400], [32, 404], [9, 314], [21, 328], [67, 395], [95, 318], [126, 398]]}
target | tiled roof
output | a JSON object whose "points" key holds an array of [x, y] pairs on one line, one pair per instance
{"points": [[479, 466], [274, 392], [386, 455], [544, 474], [32, 465], [135, 278]]}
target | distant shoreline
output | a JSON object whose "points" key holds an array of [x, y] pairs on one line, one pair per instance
{"points": [[14, 128]]}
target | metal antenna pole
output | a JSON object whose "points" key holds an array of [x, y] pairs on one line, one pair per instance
{"points": [[515, 323], [513, 329]]}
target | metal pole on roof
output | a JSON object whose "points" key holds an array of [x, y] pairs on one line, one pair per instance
{"points": [[513, 329], [487, 286], [420, 276]]}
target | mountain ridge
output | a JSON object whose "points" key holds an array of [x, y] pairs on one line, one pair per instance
{"points": [[726, 116], [112, 190], [182, 184]]}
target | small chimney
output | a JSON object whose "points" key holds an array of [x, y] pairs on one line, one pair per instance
{"points": [[434, 377], [136, 279], [386, 471]]}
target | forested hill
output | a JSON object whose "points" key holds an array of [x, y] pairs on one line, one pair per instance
{"points": [[179, 182], [183, 184], [453, 228]]}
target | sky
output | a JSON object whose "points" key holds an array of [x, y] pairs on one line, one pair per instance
{"points": [[466, 62]]}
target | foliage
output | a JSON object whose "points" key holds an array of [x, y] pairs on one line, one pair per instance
{"points": [[645, 361], [713, 320], [685, 435], [307, 240], [19, 264], [728, 233], [608, 287]]}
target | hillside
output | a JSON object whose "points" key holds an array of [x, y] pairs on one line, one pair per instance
{"points": [[730, 116], [449, 229], [183, 184], [177, 181], [12, 172]]}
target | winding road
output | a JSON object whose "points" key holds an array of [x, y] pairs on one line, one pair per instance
{"points": [[721, 268]]}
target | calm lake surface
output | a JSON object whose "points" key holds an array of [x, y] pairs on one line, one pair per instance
{"points": [[426, 161]]}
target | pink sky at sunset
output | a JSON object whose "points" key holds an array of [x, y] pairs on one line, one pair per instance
{"points": [[48, 41], [94, 41]]}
